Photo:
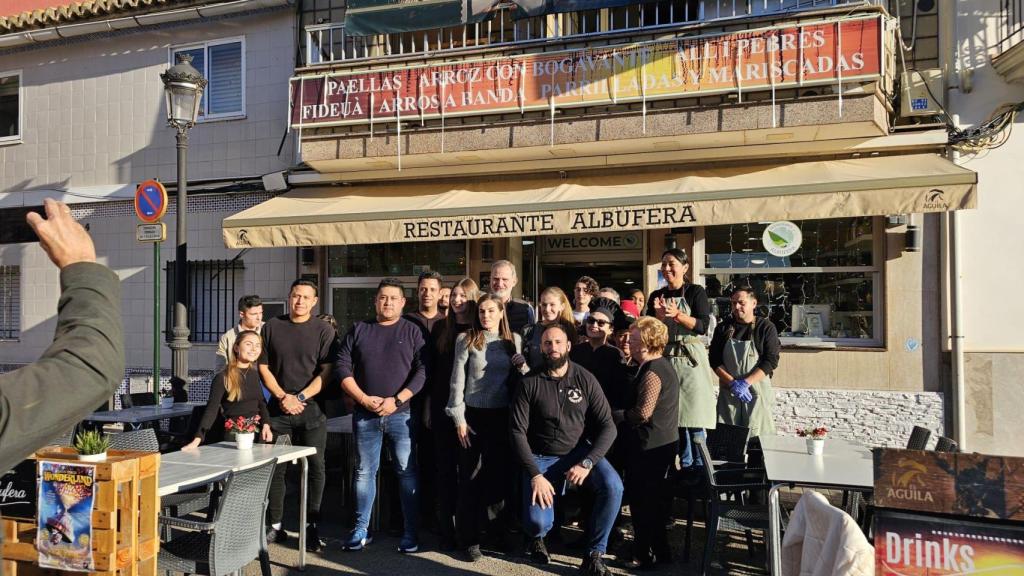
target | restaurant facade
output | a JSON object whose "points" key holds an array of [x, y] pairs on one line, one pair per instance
{"points": [[769, 144]]}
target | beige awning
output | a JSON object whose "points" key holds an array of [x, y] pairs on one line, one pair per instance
{"points": [[521, 206]]}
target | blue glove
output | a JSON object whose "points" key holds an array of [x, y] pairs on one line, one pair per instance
{"points": [[741, 390]]}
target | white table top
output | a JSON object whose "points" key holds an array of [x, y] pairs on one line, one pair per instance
{"points": [[340, 424], [175, 477], [843, 464], [138, 414], [188, 468]]}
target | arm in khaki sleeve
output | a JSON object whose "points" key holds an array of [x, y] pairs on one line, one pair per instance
{"points": [[82, 368], [85, 363]]}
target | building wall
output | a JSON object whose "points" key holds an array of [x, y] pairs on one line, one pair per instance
{"points": [[94, 115], [94, 111], [991, 242]]}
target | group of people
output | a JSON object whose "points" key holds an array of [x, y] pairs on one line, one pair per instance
{"points": [[512, 407]]}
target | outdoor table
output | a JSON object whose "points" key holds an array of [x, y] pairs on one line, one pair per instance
{"points": [[844, 465], [208, 462], [138, 414]]}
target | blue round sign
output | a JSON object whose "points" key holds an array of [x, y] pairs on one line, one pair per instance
{"points": [[150, 201]]}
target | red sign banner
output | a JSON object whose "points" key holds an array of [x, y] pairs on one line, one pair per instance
{"points": [[781, 57]]}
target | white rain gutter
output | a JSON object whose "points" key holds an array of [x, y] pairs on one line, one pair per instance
{"points": [[65, 31], [951, 232]]}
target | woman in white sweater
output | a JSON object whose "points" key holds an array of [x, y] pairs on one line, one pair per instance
{"points": [[487, 362]]}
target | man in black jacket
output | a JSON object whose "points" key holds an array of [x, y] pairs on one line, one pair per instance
{"points": [[561, 429]]}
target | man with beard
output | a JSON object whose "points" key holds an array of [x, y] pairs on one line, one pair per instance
{"points": [[503, 280], [561, 429]]}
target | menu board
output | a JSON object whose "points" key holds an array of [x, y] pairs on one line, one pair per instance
{"points": [[924, 545]]}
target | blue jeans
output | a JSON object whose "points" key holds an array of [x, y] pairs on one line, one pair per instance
{"points": [[370, 431], [689, 456], [603, 480]]}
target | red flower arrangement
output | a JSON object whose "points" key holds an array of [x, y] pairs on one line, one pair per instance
{"points": [[242, 425], [818, 433]]}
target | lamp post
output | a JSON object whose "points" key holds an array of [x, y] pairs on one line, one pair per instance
{"points": [[183, 86]]}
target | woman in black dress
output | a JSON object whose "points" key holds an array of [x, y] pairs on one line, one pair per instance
{"points": [[236, 391]]}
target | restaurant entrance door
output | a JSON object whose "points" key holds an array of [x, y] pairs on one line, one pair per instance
{"points": [[614, 259]]}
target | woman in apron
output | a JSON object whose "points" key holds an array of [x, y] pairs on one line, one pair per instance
{"points": [[685, 311], [745, 352]]}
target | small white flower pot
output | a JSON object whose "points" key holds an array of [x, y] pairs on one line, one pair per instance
{"points": [[166, 402], [101, 457], [244, 440], [815, 446]]}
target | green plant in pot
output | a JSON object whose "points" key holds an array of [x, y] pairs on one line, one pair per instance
{"points": [[92, 446]]}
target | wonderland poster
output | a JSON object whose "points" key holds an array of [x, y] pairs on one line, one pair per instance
{"points": [[923, 545], [64, 536]]}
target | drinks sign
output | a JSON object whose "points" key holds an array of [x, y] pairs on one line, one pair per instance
{"points": [[779, 57]]}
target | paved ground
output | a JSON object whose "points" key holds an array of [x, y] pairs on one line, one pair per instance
{"points": [[381, 557]]}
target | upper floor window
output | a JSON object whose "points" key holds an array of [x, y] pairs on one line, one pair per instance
{"points": [[10, 106], [222, 63]]}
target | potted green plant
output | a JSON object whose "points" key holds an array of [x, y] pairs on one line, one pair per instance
{"points": [[92, 446], [815, 439]]}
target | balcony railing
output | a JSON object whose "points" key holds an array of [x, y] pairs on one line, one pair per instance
{"points": [[327, 43], [1011, 28]]}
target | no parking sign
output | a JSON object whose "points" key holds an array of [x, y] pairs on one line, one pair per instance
{"points": [[150, 201]]}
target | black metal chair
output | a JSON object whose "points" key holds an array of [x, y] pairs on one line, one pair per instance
{"points": [[144, 440], [919, 438], [726, 514], [234, 537], [67, 438], [728, 443], [944, 444]]}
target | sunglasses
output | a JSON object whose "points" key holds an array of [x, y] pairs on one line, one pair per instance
{"points": [[600, 323]]}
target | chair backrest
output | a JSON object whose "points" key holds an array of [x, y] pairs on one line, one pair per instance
{"points": [[67, 438], [143, 399], [144, 440], [728, 442], [283, 440], [238, 532], [944, 444], [919, 438], [709, 466]]}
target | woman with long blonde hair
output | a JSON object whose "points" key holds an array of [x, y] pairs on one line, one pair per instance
{"points": [[461, 315], [552, 307], [236, 391]]}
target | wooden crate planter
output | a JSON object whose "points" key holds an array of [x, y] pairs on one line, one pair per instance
{"points": [[124, 519]]}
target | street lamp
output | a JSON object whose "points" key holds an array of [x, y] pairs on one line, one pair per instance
{"points": [[183, 86]]}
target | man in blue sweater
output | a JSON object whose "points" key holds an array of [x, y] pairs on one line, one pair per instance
{"points": [[381, 366]]}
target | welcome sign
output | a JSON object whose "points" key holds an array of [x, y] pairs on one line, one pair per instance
{"points": [[780, 57]]}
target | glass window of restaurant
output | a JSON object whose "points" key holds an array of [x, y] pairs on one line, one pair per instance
{"points": [[354, 272], [829, 292]]}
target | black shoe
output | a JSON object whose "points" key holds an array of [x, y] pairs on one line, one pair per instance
{"points": [[473, 553], [276, 535], [594, 565], [538, 551], [313, 541]]}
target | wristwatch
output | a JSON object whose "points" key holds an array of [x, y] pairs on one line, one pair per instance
{"points": [[301, 396], [587, 464], [398, 401]]}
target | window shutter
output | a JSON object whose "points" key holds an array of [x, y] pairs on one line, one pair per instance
{"points": [[225, 76]]}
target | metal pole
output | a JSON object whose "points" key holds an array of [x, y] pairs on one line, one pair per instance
{"points": [[156, 321], [179, 342]]}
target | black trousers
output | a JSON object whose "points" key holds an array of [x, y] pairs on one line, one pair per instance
{"points": [[446, 465], [646, 478], [295, 426], [485, 475]]}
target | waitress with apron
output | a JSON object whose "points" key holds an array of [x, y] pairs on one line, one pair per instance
{"points": [[745, 352], [685, 311]]}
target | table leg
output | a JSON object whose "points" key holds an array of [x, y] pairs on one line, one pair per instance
{"points": [[774, 531], [303, 497]]}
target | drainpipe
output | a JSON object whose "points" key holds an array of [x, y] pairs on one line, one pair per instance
{"points": [[951, 234]]}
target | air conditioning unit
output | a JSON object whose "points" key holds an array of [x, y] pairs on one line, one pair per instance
{"points": [[920, 93]]}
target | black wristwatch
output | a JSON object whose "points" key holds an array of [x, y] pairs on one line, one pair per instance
{"points": [[398, 401], [587, 464]]}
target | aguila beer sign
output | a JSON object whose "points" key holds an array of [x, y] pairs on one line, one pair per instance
{"points": [[782, 57]]}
